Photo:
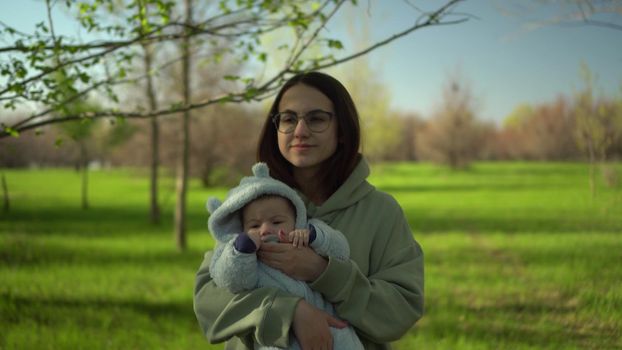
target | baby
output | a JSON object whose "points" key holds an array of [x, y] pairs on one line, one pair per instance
{"points": [[259, 210]]}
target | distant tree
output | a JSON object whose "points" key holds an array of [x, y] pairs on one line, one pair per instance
{"points": [[380, 128], [223, 148], [453, 136], [379, 125], [79, 131], [510, 140], [542, 132], [591, 125], [410, 126]]}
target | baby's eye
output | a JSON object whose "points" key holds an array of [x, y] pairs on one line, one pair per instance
{"points": [[277, 222]]}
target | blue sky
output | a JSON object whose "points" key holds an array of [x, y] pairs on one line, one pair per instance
{"points": [[504, 63]]}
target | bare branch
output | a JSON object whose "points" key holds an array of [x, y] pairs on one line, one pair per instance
{"points": [[433, 19], [307, 36]]}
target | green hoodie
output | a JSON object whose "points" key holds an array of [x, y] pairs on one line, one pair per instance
{"points": [[379, 290]]}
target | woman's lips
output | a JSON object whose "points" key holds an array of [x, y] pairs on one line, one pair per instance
{"points": [[301, 146]]}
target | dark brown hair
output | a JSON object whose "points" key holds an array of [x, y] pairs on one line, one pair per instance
{"points": [[336, 169]]}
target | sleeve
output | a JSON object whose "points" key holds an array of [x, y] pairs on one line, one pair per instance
{"points": [[386, 304], [329, 242], [262, 314], [233, 269]]}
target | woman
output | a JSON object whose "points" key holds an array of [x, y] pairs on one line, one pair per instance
{"points": [[310, 141]]}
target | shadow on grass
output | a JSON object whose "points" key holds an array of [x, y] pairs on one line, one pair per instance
{"points": [[55, 310], [19, 250], [564, 224], [514, 325], [105, 221], [111, 222], [407, 187]]}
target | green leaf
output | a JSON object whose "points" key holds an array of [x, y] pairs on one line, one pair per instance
{"points": [[59, 142], [9, 130], [335, 44]]}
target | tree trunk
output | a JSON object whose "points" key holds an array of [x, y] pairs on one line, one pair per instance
{"points": [[85, 174], [5, 194], [154, 212], [182, 165], [591, 152]]}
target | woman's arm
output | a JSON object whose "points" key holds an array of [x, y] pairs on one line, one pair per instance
{"points": [[263, 314], [387, 302]]}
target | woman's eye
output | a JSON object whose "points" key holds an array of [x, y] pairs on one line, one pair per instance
{"points": [[287, 119]]}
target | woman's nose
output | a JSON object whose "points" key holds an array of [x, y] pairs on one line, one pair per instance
{"points": [[301, 128]]}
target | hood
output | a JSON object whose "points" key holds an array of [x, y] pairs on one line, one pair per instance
{"points": [[225, 218], [353, 190]]}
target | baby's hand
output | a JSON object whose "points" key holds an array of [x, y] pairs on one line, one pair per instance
{"points": [[299, 238]]}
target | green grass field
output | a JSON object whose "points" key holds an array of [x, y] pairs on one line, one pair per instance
{"points": [[518, 256]]}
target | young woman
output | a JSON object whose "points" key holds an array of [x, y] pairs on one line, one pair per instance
{"points": [[310, 141]]}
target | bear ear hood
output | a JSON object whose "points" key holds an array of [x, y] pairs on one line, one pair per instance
{"points": [[212, 204], [225, 218], [261, 170]]}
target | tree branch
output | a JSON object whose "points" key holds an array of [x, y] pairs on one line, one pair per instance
{"points": [[433, 19], [249, 93]]}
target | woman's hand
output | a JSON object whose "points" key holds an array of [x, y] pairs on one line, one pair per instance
{"points": [[301, 263], [312, 327]]}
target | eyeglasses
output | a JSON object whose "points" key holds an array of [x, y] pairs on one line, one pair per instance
{"points": [[316, 120]]}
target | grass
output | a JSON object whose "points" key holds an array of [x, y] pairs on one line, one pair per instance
{"points": [[518, 256]]}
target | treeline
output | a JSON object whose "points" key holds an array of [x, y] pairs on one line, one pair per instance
{"points": [[222, 144], [224, 137], [580, 127]]}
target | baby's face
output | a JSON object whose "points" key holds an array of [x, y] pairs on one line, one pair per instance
{"points": [[267, 215]]}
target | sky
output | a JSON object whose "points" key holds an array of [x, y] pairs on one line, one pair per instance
{"points": [[505, 63]]}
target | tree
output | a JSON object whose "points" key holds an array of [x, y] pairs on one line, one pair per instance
{"points": [[597, 126], [453, 136], [182, 165], [542, 132], [380, 127], [147, 48], [79, 132]]}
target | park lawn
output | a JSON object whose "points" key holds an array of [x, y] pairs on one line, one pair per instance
{"points": [[518, 256]]}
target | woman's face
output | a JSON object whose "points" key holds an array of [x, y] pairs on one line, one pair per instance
{"points": [[303, 148]]}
